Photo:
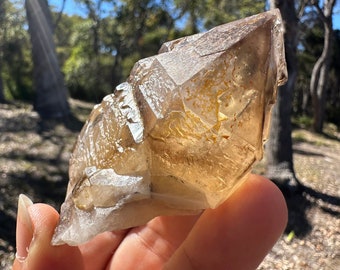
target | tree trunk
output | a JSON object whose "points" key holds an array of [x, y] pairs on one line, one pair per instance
{"points": [[2, 18], [320, 71], [279, 152], [51, 93], [305, 101], [2, 96]]}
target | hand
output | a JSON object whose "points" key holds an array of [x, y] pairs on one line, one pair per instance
{"points": [[236, 235]]}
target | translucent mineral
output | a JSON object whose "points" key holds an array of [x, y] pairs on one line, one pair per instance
{"points": [[180, 134]]}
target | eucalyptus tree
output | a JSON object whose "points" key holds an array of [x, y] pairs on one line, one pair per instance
{"points": [[279, 150], [320, 73], [51, 93]]}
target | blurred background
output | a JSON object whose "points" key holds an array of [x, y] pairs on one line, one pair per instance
{"points": [[60, 57]]}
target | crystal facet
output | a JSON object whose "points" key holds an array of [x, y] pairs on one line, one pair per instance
{"points": [[181, 134]]}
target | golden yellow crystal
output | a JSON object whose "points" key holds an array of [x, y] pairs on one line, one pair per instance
{"points": [[181, 134]]}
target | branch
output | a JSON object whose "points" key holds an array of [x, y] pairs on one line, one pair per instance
{"points": [[329, 7], [59, 15], [325, 13], [301, 9], [319, 10]]}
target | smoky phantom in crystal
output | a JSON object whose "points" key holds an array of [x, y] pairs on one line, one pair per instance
{"points": [[180, 134]]}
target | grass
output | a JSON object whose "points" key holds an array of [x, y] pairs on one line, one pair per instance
{"points": [[302, 132], [303, 121]]}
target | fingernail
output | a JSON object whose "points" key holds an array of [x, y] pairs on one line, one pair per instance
{"points": [[24, 232]]}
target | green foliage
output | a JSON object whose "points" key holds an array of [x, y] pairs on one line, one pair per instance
{"points": [[218, 12], [312, 41], [81, 75], [17, 73], [16, 66], [303, 121], [128, 62], [97, 51], [209, 13], [66, 32]]}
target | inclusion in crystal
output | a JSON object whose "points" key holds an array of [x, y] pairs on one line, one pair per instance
{"points": [[180, 134]]}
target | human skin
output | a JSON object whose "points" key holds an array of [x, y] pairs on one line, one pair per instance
{"points": [[236, 235]]}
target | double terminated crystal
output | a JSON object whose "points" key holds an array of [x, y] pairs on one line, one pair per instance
{"points": [[181, 134]]}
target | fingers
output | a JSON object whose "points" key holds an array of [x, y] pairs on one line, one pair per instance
{"points": [[239, 233], [150, 246], [98, 251], [24, 230], [35, 227]]}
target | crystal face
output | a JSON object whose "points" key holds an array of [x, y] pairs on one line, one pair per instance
{"points": [[181, 134]]}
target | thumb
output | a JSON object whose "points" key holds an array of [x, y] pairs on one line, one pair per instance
{"points": [[35, 227]]}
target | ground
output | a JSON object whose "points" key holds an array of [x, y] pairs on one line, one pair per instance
{"points": [[34, 160], [312, 236]]}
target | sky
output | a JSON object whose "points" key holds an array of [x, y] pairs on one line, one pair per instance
{"points": [[71, 7], [336, 16]]}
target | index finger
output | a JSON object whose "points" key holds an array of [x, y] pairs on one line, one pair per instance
{"points": [[239, 233]]}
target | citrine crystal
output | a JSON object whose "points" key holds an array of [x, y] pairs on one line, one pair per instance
{"points": [[181, 134]]}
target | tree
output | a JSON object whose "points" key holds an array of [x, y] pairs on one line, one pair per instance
{"points": [[320, 71], [51, 93], [2, 96], [140, 29], [311, 44], [194, 10], [279, 152], [219, 12], [206, 14], [2, 18]]}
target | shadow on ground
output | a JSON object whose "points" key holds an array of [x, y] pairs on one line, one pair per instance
{"points": [[34, 157], [300, 202]]}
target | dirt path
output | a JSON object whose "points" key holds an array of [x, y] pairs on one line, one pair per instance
{"points": [[312, 238], [35, 162]]}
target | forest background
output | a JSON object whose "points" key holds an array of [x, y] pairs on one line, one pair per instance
{"points": [[97, 43]]}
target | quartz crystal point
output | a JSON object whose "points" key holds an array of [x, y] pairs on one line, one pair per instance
{"points": [[181, 134]]}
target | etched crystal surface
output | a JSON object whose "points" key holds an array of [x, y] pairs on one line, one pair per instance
{"points": [[181, 134]]}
